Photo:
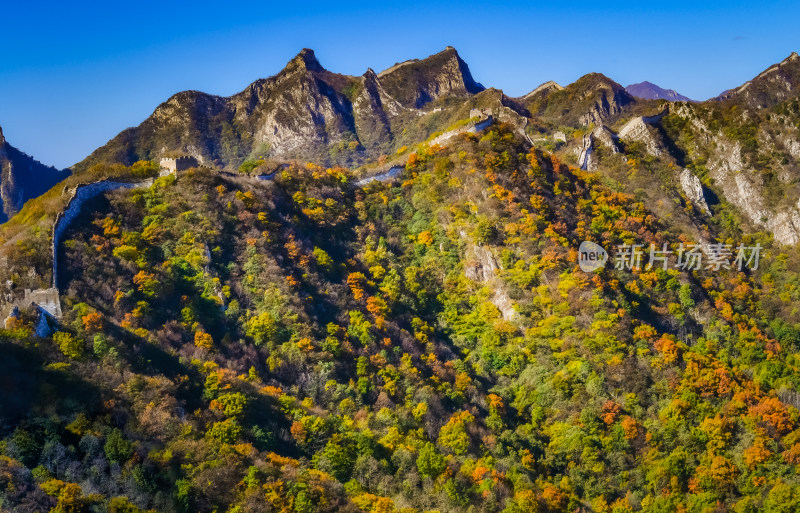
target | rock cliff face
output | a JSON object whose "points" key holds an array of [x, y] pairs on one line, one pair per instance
{"points": [[302, 112], [415, 83], [481, 266], [22, 178], [737, 179], [747, 140], [694, 190], [745, 189], [605, 136], [601, 135]]}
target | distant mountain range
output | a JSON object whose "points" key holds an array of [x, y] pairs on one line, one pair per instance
{"points": [[650, 91]]}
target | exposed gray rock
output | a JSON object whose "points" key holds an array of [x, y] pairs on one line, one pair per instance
{"points": [[481, 266], [694, 190], [605, 136], [742, 188], [638, 129], [587, 160], [609, 98], [303, 112]]}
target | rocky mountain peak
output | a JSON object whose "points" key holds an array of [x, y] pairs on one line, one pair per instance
{"points": [[595, 98], [417, 82], [304, 60], [2, 138], [594, 81]]}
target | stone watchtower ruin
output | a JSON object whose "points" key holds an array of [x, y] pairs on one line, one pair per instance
{"points": [[173, 165]]}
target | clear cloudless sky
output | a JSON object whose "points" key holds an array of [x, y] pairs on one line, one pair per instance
{"points": [[74, 74]]}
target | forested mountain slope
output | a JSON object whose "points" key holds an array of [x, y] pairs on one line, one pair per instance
{"points": [[429, 343]]}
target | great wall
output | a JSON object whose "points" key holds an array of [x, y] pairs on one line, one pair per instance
{"points": [[480, 119], [81, 194], [47, 302]]}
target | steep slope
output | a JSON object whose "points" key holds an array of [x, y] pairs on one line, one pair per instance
{"points": [[22, 178], [303, 112], [649, 91], [746, 145]]}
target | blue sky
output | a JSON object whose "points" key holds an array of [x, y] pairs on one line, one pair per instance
{"points": [[74, 74]]}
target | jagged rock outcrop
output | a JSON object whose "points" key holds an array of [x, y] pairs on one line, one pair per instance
{"points": [[482, 267], [22, 178], [606, 137], [586, 156], [741, 184], [743, 188], [374, 108], [694, 190], [585, 160], [609, 99]]}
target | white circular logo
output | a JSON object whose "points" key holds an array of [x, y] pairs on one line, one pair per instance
{"points": [[591, 256]]}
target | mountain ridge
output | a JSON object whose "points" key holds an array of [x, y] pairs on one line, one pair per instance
{"points": [[771, 86], [21, 178], [302, 110]]}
